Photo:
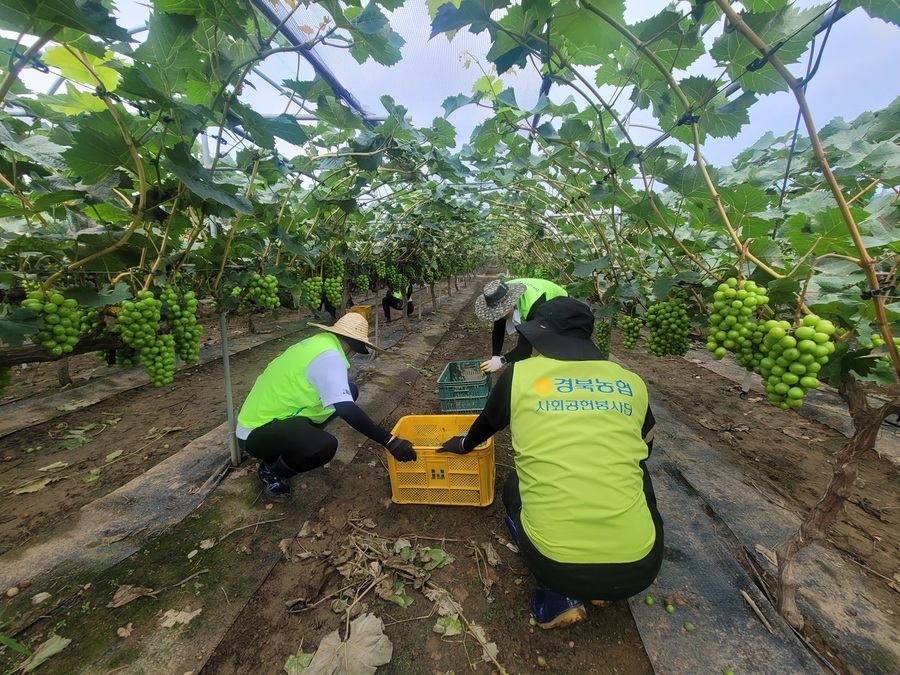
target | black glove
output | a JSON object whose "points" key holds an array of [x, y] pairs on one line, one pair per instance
{"points": [[401, 449], [455, 444]]}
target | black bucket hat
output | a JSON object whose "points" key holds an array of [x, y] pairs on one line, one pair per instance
{"points": [[563, 329]]}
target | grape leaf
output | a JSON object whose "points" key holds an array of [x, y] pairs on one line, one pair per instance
{"points": [[87, 16], [19, 324], [97, 148], [38, 148], [366, 649], [888, 10]]}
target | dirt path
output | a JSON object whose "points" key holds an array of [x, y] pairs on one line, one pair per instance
{"points": [[354, 532]]}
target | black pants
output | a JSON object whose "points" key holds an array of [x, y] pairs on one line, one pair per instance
{"points": [[390, 302], [303, 445], [587, 581]]}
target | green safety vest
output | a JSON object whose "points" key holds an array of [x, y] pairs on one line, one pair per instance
{"points": [[576, 430], [283, 391], [534, 289], [397, 295]]}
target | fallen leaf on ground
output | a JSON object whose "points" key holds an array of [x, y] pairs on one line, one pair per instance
{"points": [[125, 594], [39, 598], [768, 554], [367, 648], [173, 617], [207, 544], [489, 649], [56, 466], [33, 486], [490, 553], [297, 663], [448, 625], [125, 631], [50, 647]]}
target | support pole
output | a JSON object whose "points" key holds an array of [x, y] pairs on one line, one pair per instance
{"points": [[229, 398]]}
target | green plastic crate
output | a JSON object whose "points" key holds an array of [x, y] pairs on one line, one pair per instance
{"points": [[464, 380]]}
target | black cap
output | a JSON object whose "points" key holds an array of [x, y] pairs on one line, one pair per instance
{"points": [[563, 328]]}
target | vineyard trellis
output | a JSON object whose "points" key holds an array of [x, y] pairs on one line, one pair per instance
{"points": [[106, 206]]}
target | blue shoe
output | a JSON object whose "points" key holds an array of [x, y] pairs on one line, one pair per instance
{"points": [[511, 526], [275, 485], [552, 610]]}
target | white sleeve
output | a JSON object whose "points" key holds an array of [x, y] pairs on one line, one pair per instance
{"points": [[327, 373]]}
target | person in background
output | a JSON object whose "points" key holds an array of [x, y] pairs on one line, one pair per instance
{"points": [[507, 304], [282, 421], [580, 503], [394, 300]]}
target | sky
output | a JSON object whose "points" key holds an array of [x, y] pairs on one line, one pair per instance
{"points": [[856, 74]]}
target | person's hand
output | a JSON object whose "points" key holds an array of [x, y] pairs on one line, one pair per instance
{"points": [[456, 445], [493, 364], [401, 449]]}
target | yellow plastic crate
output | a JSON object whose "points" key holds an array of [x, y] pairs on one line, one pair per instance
{"points": [[445, 478], [365, 310]]}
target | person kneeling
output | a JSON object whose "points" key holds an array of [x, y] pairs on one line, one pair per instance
{"points": [[283, 418], [580, 503]]}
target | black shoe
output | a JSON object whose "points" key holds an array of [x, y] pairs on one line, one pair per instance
{"points": [[275, 484]]}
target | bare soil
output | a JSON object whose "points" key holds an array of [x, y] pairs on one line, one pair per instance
{"points": [[781, 454]]}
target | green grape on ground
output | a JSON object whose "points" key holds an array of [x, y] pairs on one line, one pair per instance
{"points": [[631, 330], [62, 320], [733, 321], [793, 358], [668, 328]]}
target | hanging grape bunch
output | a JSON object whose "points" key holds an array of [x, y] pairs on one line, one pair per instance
{"points": [[159, 360], [62, 321], [313, 287], [603, 329], [334, 279], [793, 358], [138, 321], [125, 357], [181, 317], [380, 269], [362, 283], [669, 328], [732, 325], [631, 330], [263, 291]]}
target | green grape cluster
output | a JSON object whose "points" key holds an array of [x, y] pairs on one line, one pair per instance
{"points": [[668, 328], [125, 357], [793, 358], [398, 282], [263, 291], [733, 325], [138, 321], [428, 275], [380, 269], [631, 330], [334, 291], [62, 321], [90, 319], [878, 341], [602, 330], [313, 286], [334, 266], [362, 283], [159, 359], [5, 378], [181, 317], [29, 285]]}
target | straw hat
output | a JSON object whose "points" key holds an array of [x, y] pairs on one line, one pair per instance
{"points": [[497, 299], [355, 329]]}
